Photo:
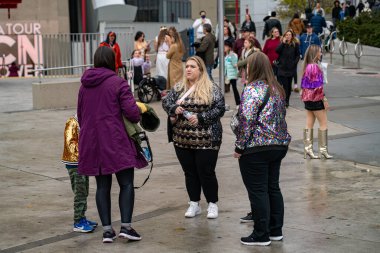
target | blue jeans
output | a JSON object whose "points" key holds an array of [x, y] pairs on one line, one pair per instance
{"points": [[209, 69], [261, 173]]}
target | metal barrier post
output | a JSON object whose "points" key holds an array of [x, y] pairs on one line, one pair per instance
{"points": [[343, 49], [331, 45], [321, 38], [358, 51]]}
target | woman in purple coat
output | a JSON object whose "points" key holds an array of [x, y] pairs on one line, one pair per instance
{"points": [[104, 145]]}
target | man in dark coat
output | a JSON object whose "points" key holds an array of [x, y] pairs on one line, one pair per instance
{"points": [[206, 49], [270, 23], [318, 22]]}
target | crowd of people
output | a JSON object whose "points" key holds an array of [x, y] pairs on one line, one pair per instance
{"points": [[194, 104]]}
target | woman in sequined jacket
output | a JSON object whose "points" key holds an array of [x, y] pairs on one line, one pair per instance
{"points": [[197, 133], [316, 104], [261, 143]]}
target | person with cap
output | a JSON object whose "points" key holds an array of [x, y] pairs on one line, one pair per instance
{"points": [[270, 23], [307, 39], [111, 43], [318, 22], [239, 43], [198, 25]]}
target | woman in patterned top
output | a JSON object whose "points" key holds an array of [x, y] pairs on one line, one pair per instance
{"points": [[261, 143], [195, 107]]}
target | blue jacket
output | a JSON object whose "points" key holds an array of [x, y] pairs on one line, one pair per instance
{"points": [[318, 22], [307, 40]]}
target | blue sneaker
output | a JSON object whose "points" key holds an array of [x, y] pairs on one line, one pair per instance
{"points": [[94, 224], [83, 227]]}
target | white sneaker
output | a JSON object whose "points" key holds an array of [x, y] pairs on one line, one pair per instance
{"points": [[212, 211], [193, 210]]}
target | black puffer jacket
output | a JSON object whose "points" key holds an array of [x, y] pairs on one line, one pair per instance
{"points": [[288, 57]]}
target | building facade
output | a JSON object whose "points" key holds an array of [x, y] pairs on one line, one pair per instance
{"points": [[161, 10]]}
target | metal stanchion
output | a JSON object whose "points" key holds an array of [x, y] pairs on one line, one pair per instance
{"points": [[321, 38], [358, 51], [331, 45], [343, 49]]}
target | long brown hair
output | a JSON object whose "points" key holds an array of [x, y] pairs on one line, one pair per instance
{"points": [[161, 37], [311, 55], [294, 38], [177, 39], [260, 69]]}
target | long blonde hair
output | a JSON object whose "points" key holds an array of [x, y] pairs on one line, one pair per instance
{"points": [[203, 91], [260, 69], [311, 55]]}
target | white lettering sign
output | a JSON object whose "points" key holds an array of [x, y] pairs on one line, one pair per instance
{"points": [[29, 43]]}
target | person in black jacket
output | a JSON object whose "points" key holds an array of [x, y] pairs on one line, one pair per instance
{"points": [[270, 23], [288, 56], [249, 24], [335, 13], [351, 10]]}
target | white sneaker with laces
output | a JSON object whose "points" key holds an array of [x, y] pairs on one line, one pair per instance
{"points": [[212, 211], [193, 210]]}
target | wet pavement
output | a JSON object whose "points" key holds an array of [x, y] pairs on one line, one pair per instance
{"points": [[330, 205]]}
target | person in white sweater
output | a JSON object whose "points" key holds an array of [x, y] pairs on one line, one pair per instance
{"points": [[198, 25]]}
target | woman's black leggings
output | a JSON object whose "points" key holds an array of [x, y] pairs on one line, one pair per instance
{"points": [[126, 196]]}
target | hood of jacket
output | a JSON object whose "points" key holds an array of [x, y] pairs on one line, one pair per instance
{"points": [[95, 76]]}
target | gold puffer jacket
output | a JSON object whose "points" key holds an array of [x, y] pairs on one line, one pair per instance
{"points": [[71, 137]]}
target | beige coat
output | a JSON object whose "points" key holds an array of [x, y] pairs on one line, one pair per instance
{"points": [[175, 68]]}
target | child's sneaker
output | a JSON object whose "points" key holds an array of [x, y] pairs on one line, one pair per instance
{"points": [[131, 234], [109, 236], [82, 226], [94, 224]]}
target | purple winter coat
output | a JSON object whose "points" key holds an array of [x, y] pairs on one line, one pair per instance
{"points": [[104, 146]]}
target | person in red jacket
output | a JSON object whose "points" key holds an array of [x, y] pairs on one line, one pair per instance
{"points": [[270, 47], [111, 42]]}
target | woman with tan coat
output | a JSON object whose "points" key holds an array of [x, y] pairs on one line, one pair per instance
{"points": [[175, 53], [296, 25]]}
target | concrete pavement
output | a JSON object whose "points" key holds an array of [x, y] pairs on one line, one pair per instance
{"points": [[330, 205]]}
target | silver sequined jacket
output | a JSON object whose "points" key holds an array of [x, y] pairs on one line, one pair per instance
{"points": [[209, 118], [265, 131]]}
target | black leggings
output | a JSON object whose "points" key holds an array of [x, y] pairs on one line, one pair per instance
{"points": [[126, 196], [236, 92], [199, 168]]}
